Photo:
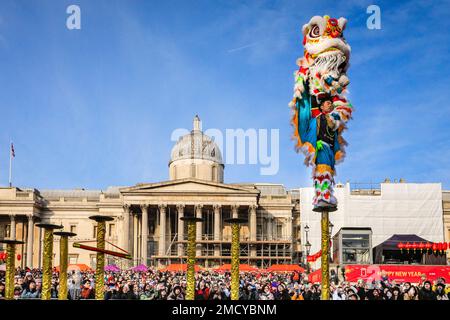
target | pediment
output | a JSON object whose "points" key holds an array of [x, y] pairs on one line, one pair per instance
{"points": [[189, 186]]}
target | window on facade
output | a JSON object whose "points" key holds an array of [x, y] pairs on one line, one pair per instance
{"points": [[112, 230], [73, 258], [279, 230], [93, 261], [355, 248], [95, 232], [7, 231], [213, 175]]}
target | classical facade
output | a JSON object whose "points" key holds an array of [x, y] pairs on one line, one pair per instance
{"points": [[146, 216]]}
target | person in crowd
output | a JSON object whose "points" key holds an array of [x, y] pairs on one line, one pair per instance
{"points": [[30, 292], [426, 292], [396, 293], [148, 293], [282, 293], [266, 293], [176, 294], [74, 291], [155, 284], [249, 293], [87, 292], [411, 294], [440, 292], [2, 290], [202, 292]]}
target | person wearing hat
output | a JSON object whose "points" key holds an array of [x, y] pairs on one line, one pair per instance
{"points": [[426, 293], [440, 292]]}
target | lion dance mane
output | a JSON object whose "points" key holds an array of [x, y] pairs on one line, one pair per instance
{"points": [[321, 75]]}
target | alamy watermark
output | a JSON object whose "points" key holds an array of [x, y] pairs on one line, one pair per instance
{"points": [[73, 21], [374, 20], [251, 146]]}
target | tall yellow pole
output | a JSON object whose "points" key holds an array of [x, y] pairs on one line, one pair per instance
{"points": [[10, 266], [100, 266], [325, 246], [235, 252], [235, 262], [325, 225], [63, 262], [47, 259], [190, 269]]}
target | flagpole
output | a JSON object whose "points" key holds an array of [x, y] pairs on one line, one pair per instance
{"points": [[10, 164]]}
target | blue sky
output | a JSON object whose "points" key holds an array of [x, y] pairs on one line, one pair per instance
{"points": [[96, 107]]}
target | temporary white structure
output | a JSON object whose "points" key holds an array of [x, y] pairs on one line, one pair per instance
{"points": [[398, 208]]}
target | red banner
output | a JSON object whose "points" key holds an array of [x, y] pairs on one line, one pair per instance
{"points": [[315, 277], [399, 273]]}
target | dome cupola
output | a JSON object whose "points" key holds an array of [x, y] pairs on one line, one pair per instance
{"points": [[196, 155]]}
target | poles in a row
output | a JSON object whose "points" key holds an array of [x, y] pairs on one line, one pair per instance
{"points": [[235, 251], [99, 273], [47, 260]]}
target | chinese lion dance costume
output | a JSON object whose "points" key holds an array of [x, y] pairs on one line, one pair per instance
{"points": [[320, 109]]}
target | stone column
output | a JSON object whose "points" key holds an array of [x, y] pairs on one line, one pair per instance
{"points": [[217, 233], [162, 229], [126, 227], [270, 228], [252, 220], [217, 217], [135, 238], [235, 211], [30, 235], [144, 233], [199, 226], [288, 229], [253, 224], [180, 210], [12, 229]]}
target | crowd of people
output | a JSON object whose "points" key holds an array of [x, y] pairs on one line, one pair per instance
{"points": [[157, 285]]}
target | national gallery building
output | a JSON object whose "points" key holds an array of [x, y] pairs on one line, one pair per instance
{"points": [[147, 215]]}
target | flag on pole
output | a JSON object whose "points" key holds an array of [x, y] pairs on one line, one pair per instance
{"points": [[13, 154]]}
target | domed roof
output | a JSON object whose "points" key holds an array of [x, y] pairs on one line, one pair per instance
{"points": [[196, 145]]}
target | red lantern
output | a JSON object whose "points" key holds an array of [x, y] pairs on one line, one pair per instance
{"points": [[439, 246], [414, 246], [19, 257], [428, 246], [421, 246], [401, 245], [434, 247], [407, 246], [444, 246]]}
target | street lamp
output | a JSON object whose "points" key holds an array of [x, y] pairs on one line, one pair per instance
{"points": [[308, 250], [307, 247]]}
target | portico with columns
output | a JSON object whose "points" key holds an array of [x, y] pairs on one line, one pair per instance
{"points": [[159, 235]]}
